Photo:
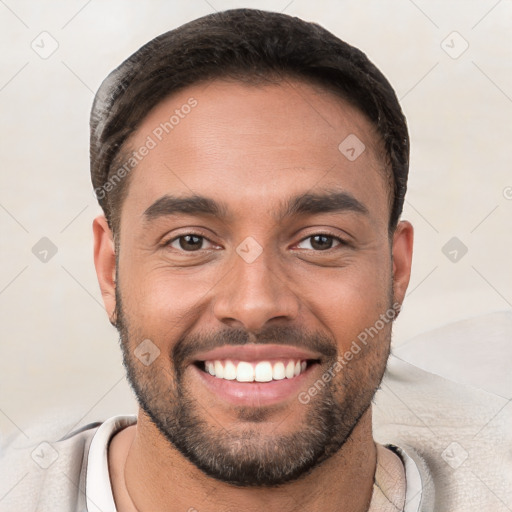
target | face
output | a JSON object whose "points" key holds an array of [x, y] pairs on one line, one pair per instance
{"points": [[253, 255]]}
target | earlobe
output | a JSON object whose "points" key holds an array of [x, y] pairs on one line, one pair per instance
{"points": [[402, 258], [105, 263]]}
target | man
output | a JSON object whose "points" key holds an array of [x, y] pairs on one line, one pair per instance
{"points": [[252, 170]]}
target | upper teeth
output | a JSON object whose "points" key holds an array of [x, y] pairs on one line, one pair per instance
{"points": [[262, 371]]}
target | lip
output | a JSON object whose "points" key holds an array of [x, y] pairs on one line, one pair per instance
{"points": [[254, 394], [255, 352]]}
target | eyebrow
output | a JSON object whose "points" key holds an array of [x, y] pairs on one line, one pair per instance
{"points": [[308, 203], [190, 205], [327, 202]]}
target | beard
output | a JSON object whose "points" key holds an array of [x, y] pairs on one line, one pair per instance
{"points": [[240, 453]]}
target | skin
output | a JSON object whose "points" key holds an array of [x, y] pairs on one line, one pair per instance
{"points": [[253, 147]]}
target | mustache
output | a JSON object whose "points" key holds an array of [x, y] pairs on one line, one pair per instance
{"points": [[192, 344]]}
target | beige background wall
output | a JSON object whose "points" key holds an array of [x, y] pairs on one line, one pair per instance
{"points": [[58, 352]]}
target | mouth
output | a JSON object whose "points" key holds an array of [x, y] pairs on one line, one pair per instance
{"points": [[255, 375], [255, 371]]}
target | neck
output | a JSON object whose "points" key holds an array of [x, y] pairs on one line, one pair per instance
{"points": [[148, 473]]}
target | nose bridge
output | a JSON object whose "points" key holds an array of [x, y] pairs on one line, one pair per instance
{"points": [[254, 291]]}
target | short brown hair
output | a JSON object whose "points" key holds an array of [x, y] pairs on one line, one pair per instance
{"points": [[245, 44]]}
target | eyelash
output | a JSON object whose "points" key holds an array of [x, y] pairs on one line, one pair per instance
{"points": [[341, 241], [176, 238]]}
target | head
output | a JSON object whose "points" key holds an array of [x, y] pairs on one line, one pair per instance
{"points": [[252, 169]]}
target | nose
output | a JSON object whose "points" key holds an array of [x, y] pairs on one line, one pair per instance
{"points": [[255, 293]]}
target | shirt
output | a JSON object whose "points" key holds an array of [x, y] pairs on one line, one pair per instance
{"points": [[99, 495]]}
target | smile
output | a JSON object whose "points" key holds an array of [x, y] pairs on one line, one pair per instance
{"points": [[255, 371], [254, 374]]}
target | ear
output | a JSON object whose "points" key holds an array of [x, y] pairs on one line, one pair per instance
{"points": [[402, 258], [105, 263]]}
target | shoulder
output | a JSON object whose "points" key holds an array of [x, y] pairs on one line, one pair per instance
{"points": [[45, 471], [459, 436]]}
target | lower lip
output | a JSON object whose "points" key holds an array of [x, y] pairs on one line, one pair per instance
{"points": [[254, 393]]}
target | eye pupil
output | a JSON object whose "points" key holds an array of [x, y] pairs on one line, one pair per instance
{"points": [[191, 242], [321, 242]]}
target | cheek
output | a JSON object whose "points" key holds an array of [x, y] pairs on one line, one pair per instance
{"points": [[162, 300], [347, 301]]}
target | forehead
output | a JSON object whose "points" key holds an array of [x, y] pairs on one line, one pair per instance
{"points": [[252, 146]]}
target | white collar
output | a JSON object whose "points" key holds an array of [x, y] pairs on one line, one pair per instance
{"points": [[98, 489], [413, 481]]}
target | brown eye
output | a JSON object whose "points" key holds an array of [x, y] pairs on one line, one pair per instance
{"points": [[188, 242], [320, 242]]}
